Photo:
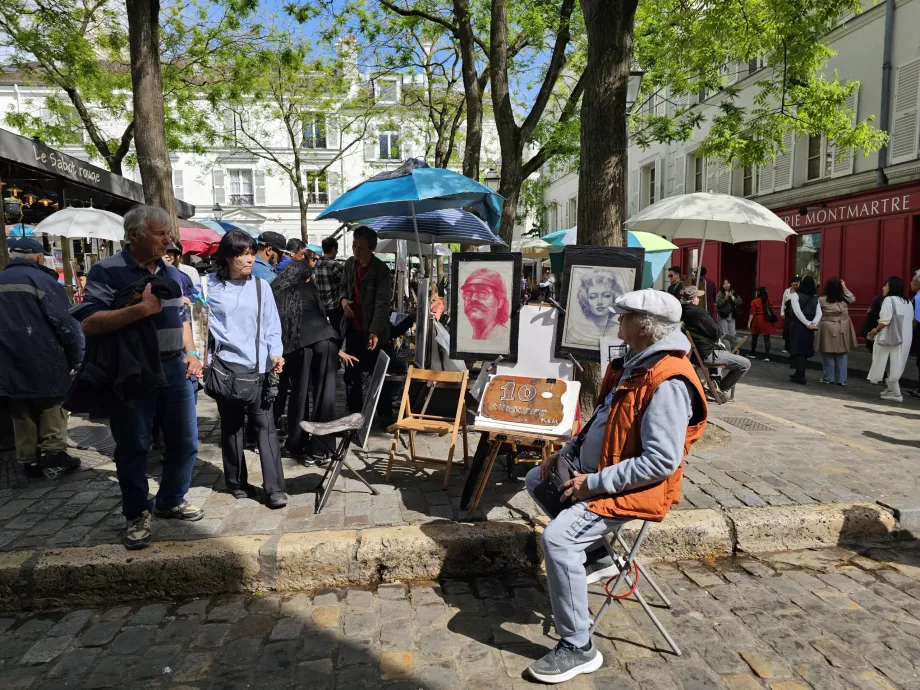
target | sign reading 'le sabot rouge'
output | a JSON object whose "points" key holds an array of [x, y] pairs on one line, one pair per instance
{"points": [[524, 400]]}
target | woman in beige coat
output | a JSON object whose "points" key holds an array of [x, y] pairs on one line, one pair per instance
{"points": [[836, 336]]}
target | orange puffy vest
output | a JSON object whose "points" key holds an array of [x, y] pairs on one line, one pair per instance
{"points": [[623, 436]]}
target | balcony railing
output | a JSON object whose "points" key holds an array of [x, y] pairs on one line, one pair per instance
{"points": [[241, 200], [314, 142], [319, 198]]}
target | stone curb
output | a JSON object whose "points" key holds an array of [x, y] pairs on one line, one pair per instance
{"points": [[312, 561]]}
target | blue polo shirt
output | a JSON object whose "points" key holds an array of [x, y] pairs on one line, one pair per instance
{"points": [[109, 276], [264, 270]]}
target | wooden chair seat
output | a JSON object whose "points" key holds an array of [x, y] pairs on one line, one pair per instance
{"points": [[432, 426]]}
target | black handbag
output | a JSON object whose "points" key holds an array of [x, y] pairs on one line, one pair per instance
{"points": [[549, 492], [769, 314], [236, 383]]}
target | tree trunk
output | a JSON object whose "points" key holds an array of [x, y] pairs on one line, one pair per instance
{"points": [[510, 189], [473, 146], [149, 114], [303, 202], [4, 250], [602, 174]]}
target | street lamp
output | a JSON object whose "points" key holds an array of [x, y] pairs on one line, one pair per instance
{"points": [[492, 179], [217, 212], [633, 87]]}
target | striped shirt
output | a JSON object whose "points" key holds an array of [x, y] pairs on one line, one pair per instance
{"points": [[109, 276], [327, 275]]}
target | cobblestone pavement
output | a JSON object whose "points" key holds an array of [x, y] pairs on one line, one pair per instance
{"points": [[788, 445], [830, 620]]}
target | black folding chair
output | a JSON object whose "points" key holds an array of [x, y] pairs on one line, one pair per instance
{"points": [[353, 428]]}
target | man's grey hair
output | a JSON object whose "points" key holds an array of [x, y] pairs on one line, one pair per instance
{"points": [[141, 217], [655, 327]]}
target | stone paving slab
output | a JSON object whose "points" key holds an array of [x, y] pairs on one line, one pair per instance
{"points": [[803, 446], [824, 619]]}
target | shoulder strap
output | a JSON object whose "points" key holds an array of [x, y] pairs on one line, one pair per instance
{"points": [[258, 323]]}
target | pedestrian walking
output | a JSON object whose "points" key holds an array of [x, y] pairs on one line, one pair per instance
{"points": [[915, 286], [805, 314], [761, 322], [727, 305], [327, 276], [271, 246], [836, 336], [247, 346], [311, 346], [651, 411], [40, 344], [785, 310], [893, 337], [675, 284], [110, 310]]}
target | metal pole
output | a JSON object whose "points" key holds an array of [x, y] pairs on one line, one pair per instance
{"points": [[418, 243]]}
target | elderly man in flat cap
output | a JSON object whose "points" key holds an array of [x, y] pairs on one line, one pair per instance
{"points": [[651, 409]]}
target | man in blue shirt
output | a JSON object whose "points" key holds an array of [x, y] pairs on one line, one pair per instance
{"points": [[270, 249], [147, 234]]}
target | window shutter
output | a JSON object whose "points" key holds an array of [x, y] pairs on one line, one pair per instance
{"points": [[217, 180], [634, 192], [333, 185], [332, 133], [178, 186], [661, 104], [294, 201], [905, 125], [260, 187], [370, 149], [683, 101], [782, 167], [712, 175], [725, 179], [680, 174], [658, 185], [765, 179], [844, 166]]}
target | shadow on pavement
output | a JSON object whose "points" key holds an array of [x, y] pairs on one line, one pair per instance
{"points": [[910, 443]]}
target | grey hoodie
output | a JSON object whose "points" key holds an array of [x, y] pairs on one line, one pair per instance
{"points": [[664, 430]]}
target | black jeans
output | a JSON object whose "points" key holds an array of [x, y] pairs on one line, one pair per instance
{"points": [[766, 344], [232, 423], [311, 367], [356, 344]]}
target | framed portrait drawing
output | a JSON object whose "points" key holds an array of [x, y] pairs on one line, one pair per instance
{"points": [[593, 278], [485, 298]]}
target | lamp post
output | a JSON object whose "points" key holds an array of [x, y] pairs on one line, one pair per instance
{"points": [[217, 212], [492, 179], [634, 85]]}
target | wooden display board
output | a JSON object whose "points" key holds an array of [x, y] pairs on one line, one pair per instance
{"points": [[521, 400]]}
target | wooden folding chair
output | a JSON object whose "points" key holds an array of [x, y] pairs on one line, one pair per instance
{"points": [[414, 422]]}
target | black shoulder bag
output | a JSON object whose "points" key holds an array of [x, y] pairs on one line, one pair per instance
{"points": [[234, 382], [549, 492]]}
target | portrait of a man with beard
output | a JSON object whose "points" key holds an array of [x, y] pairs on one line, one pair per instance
{"points": [[485, 305]]}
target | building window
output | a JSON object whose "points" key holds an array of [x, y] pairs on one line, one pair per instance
{"points": [[317, 188], [572, 212], [241, 193], [651, 185], [699, 173], [389, 146], [314, 134], [808, 256], [387, 90], [747, 180], [814, 157]]}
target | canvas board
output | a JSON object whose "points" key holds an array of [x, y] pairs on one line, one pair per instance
{"points": [[517, 396], [371, 397], [485, 300], [594, 278]]}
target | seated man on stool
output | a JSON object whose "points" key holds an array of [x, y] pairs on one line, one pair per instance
{"points": [[705, 333], [652, 409]]}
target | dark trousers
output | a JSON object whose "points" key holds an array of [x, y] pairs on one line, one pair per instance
{"points": [[766, 344], [284, 388], [132, 426], [335, 317], [311, 367], [799, 364], [232, 424], [356, 344]]}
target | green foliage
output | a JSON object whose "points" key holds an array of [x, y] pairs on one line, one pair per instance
{"points": [[686, 48]]}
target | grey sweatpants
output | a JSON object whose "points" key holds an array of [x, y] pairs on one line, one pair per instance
{"points": [[565, 541]]}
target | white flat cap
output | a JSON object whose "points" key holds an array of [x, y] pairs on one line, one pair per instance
{"points": [[653, 302]]}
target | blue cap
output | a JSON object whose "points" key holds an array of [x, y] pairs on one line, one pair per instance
{"points": [[26, 245]]}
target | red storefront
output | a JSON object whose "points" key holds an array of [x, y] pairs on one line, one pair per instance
{"points": [[862, 238]]}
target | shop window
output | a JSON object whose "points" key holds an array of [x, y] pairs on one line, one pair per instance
{"points": [[808, 256]]}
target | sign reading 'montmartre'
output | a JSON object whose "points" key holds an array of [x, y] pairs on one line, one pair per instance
{"points": [[853, 210]]}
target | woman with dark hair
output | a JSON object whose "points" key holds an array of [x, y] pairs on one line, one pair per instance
{"points": [[727, 305], [759, 322], [836, 335], [893, 338], [247, 335], [310, 345], [805, 317]]}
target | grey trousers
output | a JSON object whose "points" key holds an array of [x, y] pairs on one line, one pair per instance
{"points": [[565, 540], [736, 367]]}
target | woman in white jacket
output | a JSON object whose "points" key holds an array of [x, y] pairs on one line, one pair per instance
{"points": [[893, 338]]}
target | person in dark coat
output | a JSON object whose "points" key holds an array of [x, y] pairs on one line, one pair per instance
{"points": [[40, 344], [806, 314]]}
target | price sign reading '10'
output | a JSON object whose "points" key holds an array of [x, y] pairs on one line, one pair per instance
{"points": [[523, 400]]}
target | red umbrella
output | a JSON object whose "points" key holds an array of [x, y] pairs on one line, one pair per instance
{"points": [[198, 239]]}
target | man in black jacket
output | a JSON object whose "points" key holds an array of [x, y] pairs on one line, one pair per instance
{"points": [[705, 333], [40, 343]]}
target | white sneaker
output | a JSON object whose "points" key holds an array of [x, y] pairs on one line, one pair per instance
{"points": [[891, 396]]}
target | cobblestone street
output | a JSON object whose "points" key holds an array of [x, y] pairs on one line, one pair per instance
{"points": [[833, 619], [777, 445]]}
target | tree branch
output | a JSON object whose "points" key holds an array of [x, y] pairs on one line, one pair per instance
{"points": [[568, 111]]}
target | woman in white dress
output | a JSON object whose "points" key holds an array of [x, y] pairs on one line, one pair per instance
{"points": [[894, 323]]}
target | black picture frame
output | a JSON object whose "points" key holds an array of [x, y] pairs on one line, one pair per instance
{"points": [[606, 257], [515, 259]]}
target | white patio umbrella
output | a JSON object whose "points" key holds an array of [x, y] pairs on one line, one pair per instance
{"points": [[84, 223], [705, 216]]}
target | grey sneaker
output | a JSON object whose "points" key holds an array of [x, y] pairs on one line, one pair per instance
{"points": [[601, 569], [564, 662], [137, 535], [185, 511]]}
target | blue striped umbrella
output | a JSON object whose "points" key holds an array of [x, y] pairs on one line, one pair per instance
{"points": [[444, 226]]}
